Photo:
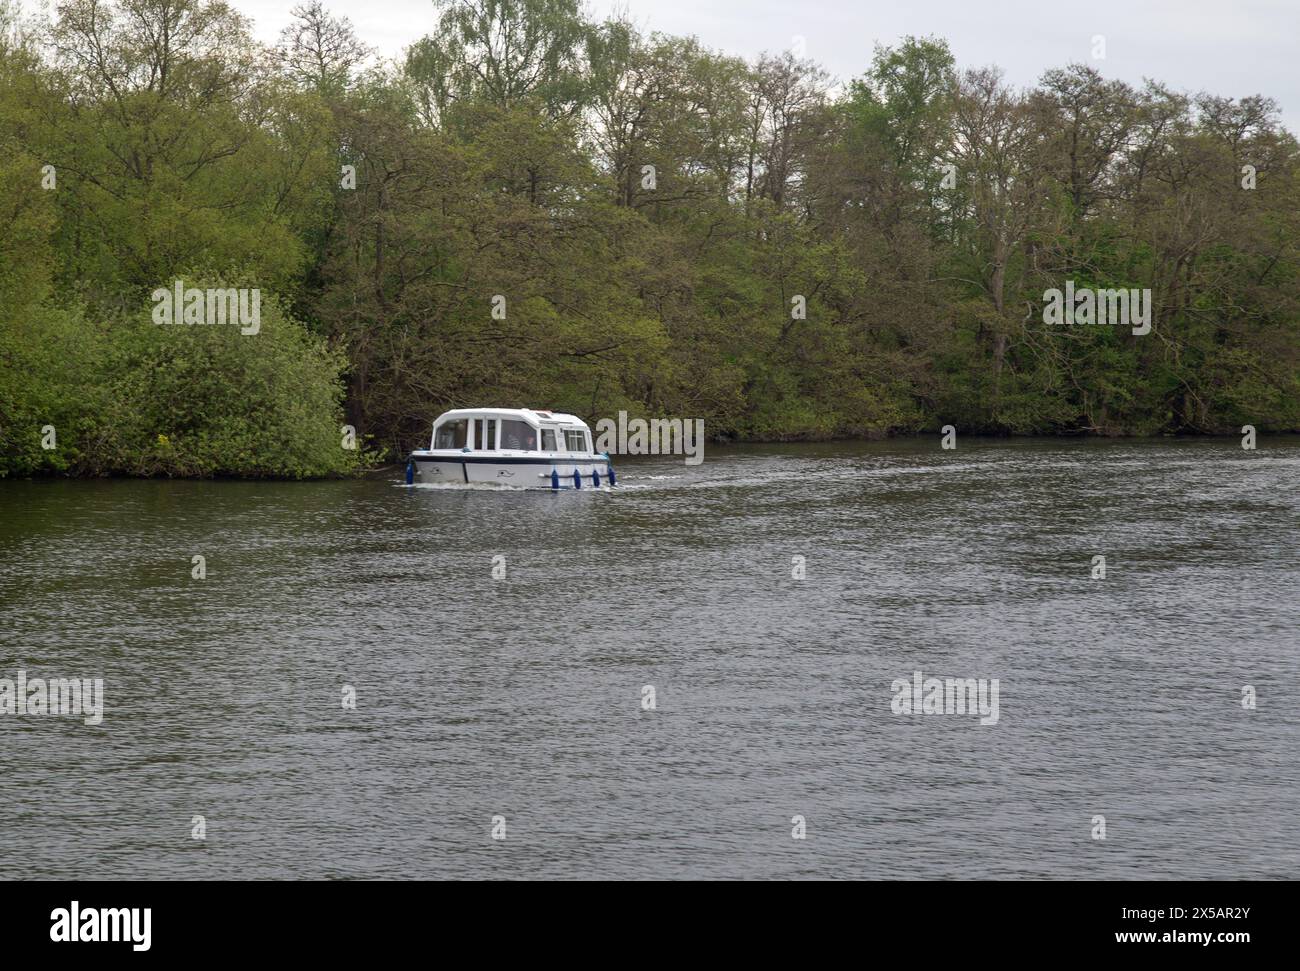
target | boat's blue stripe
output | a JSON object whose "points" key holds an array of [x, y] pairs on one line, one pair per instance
{"points": [[506, 460]]}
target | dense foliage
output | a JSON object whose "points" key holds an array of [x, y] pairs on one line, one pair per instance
{"points": [[653, 214]]}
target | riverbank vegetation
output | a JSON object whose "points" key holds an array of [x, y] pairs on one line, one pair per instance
{"points": [[537, 209]]}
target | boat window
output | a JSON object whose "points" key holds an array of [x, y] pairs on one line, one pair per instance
{"points": [[451, 434], [489, 433], [518, 435], [575, 441], [548, 440]]}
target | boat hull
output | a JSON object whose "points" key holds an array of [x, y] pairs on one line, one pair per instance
{"points": [[533, 472]]}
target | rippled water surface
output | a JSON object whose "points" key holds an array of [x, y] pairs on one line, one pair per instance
{"points": [[522, 697]]}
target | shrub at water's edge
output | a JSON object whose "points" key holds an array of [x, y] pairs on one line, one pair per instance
{"points": [[129, 397]]}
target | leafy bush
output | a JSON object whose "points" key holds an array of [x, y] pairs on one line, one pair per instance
{"points": [[130, 397]]}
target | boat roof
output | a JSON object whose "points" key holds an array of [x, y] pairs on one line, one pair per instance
{"points": [[526, 414]]}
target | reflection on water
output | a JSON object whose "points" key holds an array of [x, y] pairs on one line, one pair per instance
{"points": [[522, 697]]}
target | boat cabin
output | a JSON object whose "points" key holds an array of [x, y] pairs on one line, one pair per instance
{"points": [[511, 430]]}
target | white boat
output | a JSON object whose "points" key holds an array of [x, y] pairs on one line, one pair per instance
{"points": [[519, 447]]}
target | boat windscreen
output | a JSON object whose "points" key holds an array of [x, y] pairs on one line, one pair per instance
{"points": [[451, 434]]}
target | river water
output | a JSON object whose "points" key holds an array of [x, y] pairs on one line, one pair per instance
{"points": [[526, 697]]}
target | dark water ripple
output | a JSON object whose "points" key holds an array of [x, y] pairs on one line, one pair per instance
{"points": [[521, 697]]}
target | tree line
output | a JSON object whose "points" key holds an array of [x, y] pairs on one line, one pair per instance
{"points": [[537, 209]]}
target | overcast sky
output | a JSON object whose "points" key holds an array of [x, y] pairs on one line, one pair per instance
{"points": [[1228, 47]]}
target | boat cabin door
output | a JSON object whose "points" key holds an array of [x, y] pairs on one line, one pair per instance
{"points": [[550, 438]]}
